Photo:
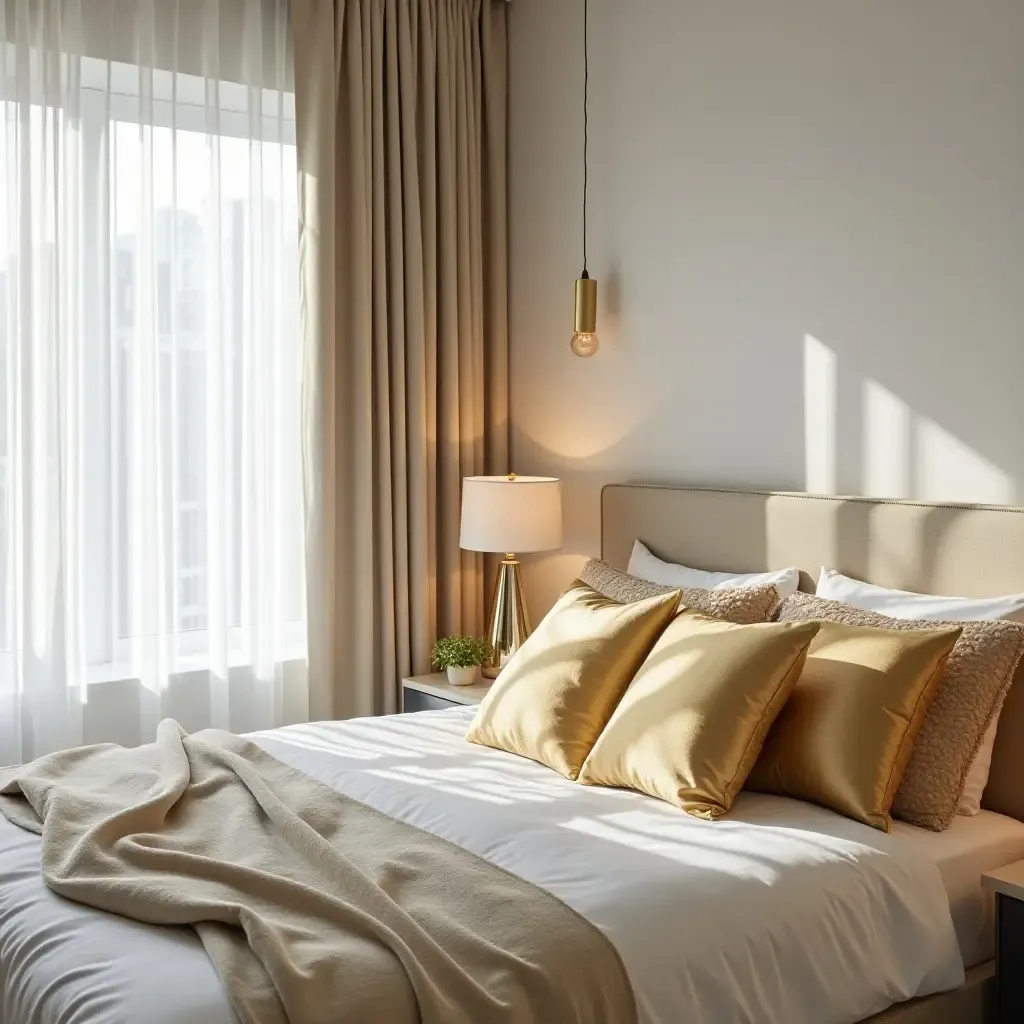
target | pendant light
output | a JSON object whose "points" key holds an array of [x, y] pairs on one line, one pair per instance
{"points": [[584, 341]]}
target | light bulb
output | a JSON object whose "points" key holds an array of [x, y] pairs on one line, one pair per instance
{"points": [[584, 344]]}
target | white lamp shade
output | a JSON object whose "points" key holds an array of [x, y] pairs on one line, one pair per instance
{"points": [[511, 515]]}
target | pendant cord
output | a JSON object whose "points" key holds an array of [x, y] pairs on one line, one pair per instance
{"points": [[586, 126]]}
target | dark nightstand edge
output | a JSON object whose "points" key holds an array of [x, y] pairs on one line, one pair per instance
{"points": [[417, 700], [1009, 959]]}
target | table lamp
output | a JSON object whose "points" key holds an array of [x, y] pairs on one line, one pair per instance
{"points": [[506, 514]]}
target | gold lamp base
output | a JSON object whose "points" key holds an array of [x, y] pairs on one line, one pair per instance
{"points": [[509, 622]]}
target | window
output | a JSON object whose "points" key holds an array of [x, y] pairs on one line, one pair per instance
{"points": [[149, 369]]}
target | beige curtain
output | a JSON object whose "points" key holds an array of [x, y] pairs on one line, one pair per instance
{"points": [[401, 110]]}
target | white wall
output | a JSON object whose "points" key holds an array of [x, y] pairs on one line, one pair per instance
{"points": [[807, 220]]}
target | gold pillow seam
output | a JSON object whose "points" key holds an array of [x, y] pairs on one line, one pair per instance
{"points": [[798, 667], [929, 690]]}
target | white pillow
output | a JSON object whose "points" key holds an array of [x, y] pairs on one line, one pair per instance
{"points": [[977, 774], [902, 604], [651, 568]]}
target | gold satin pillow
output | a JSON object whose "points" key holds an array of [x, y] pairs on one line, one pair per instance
{"points": [[845, 737], [692, 722], [555, 695]]}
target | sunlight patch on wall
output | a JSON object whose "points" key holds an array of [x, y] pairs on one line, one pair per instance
{"points": [[899, 453], [949, 470], [819, 417], [886, 464]]}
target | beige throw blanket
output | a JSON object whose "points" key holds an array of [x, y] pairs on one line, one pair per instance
{"points": [[312, 906]]}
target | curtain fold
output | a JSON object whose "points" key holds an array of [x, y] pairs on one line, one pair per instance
{"points": [[401, 119]]}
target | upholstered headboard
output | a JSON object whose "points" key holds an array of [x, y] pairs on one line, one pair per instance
{"points": [[965, 550]]}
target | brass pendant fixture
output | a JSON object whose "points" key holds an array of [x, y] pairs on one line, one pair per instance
{"points": [[584, 340]]}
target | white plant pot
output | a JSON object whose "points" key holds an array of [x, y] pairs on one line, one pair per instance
{"points": [[463, 676]]}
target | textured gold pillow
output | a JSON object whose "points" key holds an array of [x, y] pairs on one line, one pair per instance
{"points": [[735, 604], [846, 735], [558, 691], [978, 675], [692, 722]]}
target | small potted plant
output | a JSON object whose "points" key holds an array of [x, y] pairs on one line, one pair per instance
{"points": [[461, 657]]}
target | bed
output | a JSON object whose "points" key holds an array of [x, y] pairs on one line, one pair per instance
{"points": [[782, 912]]}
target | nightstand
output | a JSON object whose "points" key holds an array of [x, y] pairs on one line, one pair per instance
{"points": [[1008, 885], [435, 693]]}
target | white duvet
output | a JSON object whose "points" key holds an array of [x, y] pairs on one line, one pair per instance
{"points": [[781, 913]]}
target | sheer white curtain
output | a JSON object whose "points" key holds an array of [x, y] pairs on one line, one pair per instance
{"points": [[151, 553]]}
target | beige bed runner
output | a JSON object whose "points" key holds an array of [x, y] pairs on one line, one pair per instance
{"points": [[312, 906]]}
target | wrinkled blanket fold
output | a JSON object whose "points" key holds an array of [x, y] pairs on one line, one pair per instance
{"points": [[312, 906]]}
